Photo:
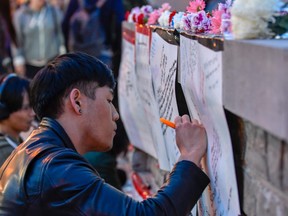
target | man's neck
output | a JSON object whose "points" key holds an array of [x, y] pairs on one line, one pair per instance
{"points": [[73, 132]]}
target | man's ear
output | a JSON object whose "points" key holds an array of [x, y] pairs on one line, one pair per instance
{"points": [[75, 98]]}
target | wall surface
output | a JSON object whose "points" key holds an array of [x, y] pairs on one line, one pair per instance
{"points": [[265, 172]]}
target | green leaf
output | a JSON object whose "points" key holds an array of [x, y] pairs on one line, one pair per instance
{"points": [[280, 26]]}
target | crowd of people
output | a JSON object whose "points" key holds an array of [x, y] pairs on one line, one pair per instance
{"points": [[34, 32], [43, 72]]}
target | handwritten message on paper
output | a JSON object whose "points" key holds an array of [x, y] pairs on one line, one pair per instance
{"points": [[145, 87], [163, 65], [130, 104], [189, 64], [202, 87]]}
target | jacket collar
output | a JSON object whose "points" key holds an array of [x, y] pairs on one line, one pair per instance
{"points": [[59, 130]]}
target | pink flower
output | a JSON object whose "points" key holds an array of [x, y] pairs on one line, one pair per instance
{"points": [[216, 21], [187, 22], [195, 6], [153, 17], [200, 23], [146, 9], [223, 11], [164, 7]]}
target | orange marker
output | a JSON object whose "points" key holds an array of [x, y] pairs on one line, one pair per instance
{"points": [[168, 123]]}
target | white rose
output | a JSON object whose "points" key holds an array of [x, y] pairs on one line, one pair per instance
{"points": [[250, 18]]}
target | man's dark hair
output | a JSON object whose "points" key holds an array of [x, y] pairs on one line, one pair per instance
{"points": [[11, 94], [54, 82]]}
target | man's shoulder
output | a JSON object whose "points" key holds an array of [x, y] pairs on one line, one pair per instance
{"points": [[62, 165], [49, 150]]}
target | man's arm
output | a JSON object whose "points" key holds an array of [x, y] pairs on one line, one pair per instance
{"points": [[77, 182], [75, 187]]}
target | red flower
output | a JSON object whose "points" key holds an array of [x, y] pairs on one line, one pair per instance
{"points": [[208, 14], [172, 14], [140, 18], [134, 17], [127, 15]]}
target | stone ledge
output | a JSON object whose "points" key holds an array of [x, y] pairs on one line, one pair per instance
{"points": [[255, 82]]}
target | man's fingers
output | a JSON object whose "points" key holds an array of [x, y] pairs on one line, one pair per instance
{"points": [[185, 118], [178, 120], [195, 121]]}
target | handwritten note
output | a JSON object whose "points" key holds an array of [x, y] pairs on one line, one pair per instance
{"points": [[202, 86], [163, 65], [130, 103], [146, 93]]}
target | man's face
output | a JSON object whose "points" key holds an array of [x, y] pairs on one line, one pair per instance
{"points": [[100, 120]]}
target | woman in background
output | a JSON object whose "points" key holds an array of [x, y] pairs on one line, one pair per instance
{"points": [[16, 114], [39, 36]]}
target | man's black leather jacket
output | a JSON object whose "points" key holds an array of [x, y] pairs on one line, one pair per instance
{"points": [[46, 176]]}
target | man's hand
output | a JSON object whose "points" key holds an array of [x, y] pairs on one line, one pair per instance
{"points": [[191, 139]]}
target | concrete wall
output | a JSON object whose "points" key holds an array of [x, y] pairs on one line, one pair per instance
{"points": [[261, 162], [265, 172]]}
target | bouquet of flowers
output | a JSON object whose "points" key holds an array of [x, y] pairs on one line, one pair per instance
{"points": [[218, 16], [139, 15], [196, 19], [254, 19], [157, 13]]}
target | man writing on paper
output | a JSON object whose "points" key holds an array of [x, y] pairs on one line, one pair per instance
{"points": [[46, 175]]}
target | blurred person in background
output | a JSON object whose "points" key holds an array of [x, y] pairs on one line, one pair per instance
{"points": [[212, 4], [129, 4], [72, 7], [39, 36], [7, 37], [15, 4], [61, 4], [16, 114], [86, 32], [111, 17]]}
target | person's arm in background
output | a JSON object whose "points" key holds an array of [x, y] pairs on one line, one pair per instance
{"points": [[119, 12], [60, 37], [72, 7], [17, 52]]}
